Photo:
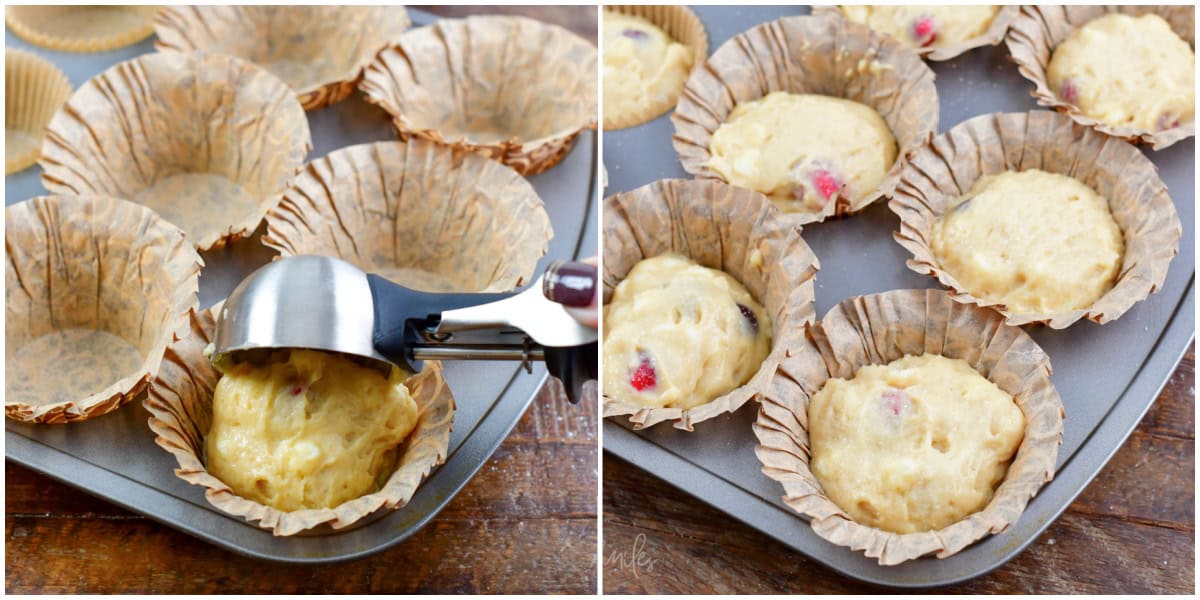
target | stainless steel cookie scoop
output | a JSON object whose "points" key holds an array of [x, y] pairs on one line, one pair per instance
{"points": [[324, 303]]}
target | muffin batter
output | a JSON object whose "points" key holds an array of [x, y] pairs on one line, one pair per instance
{"points": [[803, 150], [925, 26], [1034, 241], [311, 430], [679, 335], [915, 445], [1127, 72], [643, 67]]}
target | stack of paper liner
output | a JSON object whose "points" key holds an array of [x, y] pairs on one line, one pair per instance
{"points": [[81, 28], [34, 89], [993, 35], [683, 26], [1040, 29]]}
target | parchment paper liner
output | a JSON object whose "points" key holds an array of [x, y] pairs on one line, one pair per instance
{"points": [[33, 90], [990, 144], [263, 34], [1038, 30], [992, 36], [170, 113], [389, 207], [812, 55], [45, 26], [684, 27], [57, 247], [180, 406], [719, 226], [483, 69], [878, 329]]}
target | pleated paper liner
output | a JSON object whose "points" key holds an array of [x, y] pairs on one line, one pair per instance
{"points": [[95, 289], [419, 213], [320, 51], [720, 227], [990, 37], [208, 141], [825, 55], [33, 90], [510, 88], [1040, 29], [180, 406], [684, 27], [991, 144], [878, 329], [81, 28]]}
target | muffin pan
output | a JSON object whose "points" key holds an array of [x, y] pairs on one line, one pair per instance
{"points": [[491, 397], [1108, 375]]}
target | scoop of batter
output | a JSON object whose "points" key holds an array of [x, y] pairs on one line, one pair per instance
{"points": [[643, 67], [915, 445], [679, 335], [803, 150], [1034, 241], [311, 430], [1127, 72], [925, 26]]}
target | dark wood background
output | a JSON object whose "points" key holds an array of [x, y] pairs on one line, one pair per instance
{"points": [[1131, 531]]}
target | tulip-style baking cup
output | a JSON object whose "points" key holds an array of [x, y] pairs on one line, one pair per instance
{"points": [[180, 407], [209, 141], [1038, 30], [941, 172], [825, 55], [33, 90], [296, 43], [95, 289], [684, 27], [511, 88], [419, 213], [875, 330], [719, 226], [81, 28], [992, 36]]}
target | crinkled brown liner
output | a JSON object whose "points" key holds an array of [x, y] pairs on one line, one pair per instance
{"points": [[27, 22], [684, 27], [1038, 30], [261, 34], [878, 329], [418, 205], [180, 406], [457, 70], [170, 113], [994, 34], [813, 55], [33, 90], [57, 247], [719, 226], [951, 163]]}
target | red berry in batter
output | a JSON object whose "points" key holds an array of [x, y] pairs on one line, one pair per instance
{"points": [[923, 30], [750, 316], [826, 184], [296, 390], [894, 401], [1069, 92], [644, 377], [1167, 121]]}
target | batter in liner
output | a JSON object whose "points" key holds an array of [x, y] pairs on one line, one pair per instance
{"points": [[643, 67], [925, 26]]}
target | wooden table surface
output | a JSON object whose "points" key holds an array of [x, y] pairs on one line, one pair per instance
{"points": [[1131, 531]]}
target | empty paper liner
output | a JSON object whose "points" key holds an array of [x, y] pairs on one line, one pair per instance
{"points": [[875, 330], [684, 27], [180, 406], [320, 51], [33, 90], [735, 230], [510, 88], [208, 141], [95, 289], [993, 35], [81, 28], [939, 173], [1038, 30], [419, 213]]}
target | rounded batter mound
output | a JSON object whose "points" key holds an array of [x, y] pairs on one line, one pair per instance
{"points": [[804, 151], [679, 335], [915, 445], [644, 69], [925, 26], [1034, 241], [310, 430], [1127, 72]]}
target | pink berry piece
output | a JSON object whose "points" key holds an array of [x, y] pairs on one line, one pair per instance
{"points": [[894, 402], [296, 390], [751, 318], [1069, 92], [827, 184], [644, 377], [636, 35], [924, 30], [1167, 121]]}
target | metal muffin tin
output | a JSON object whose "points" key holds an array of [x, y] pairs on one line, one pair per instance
{"points": [[115, 458], [1108, 375]]}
